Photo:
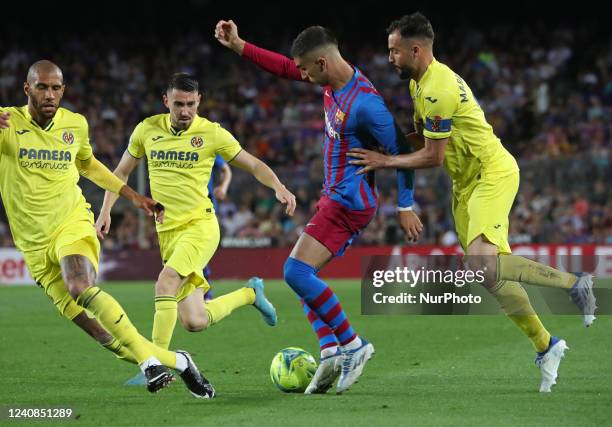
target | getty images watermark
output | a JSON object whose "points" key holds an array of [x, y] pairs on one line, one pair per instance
{"points": [[405, 276], [442, 284]]}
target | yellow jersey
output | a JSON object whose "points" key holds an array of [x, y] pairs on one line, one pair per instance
{"points": [[180, 163], [38, 175], [445, 107]]}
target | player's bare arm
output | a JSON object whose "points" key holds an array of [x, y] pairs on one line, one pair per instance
{"points": [[123, 170], [267, 177], [430, 156], [416, 139], [220, 191], [227, 34]]}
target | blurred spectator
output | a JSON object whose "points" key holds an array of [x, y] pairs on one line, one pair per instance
{"points": [[548, 98]]}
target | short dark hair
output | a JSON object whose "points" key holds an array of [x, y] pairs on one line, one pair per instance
{"points": [[183, 81], [312, 38], [414, 25]]}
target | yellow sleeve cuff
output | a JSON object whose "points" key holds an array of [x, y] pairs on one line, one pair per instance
{"points": [[96, 172]]}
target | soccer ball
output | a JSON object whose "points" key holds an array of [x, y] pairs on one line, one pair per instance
{"points": [[292, 369]]}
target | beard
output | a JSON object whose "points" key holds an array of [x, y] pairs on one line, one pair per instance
{"points": [[38, 107], [405, 73]]}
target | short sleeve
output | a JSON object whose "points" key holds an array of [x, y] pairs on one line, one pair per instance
{"points": [[226, 145], [85, 150], [438, 112], [136, 144]]}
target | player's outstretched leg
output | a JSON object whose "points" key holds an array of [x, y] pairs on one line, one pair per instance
{"points": [[579, 285], [328, 369], [548, 361], [323, 301], [79, 276]]}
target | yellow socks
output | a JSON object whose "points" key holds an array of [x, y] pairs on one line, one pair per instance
{"points": [[515, 303], [519, 269], [222, 306], [120, 351], [110, 315], [164, 320]]}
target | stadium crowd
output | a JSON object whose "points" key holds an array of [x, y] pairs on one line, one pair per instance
{"points": [[547, 93]]}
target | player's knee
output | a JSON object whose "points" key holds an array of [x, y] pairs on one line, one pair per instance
{"points": [[195, 323], [486, 265], [76, 287], [294, 270], [168, 282]]}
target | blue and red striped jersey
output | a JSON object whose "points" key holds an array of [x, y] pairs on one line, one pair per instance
{"points": [[355, 117]]}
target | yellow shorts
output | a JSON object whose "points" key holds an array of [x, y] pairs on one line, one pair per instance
{"points": [[72, 238], [188, 249], [484, 208]]}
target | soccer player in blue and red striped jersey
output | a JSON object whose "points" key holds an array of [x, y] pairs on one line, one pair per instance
{"points": [[355, 117]]}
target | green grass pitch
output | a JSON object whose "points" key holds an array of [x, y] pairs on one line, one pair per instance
{"points": [[428, 370]]}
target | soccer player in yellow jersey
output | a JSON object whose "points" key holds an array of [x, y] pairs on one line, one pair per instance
{"points": [[180, 148], [43, 150], [453, 131]]}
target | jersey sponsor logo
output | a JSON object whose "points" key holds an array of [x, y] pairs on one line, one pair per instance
{"points": [[57, 155], [182, 156], [44, 159], [197, 141], [173, 159], [437, 124], [68, 138], [21, 132], [432, 100]]}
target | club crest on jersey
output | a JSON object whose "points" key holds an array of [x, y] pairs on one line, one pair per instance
{"points": [[340, 116], [197, 141], [68, 138]]}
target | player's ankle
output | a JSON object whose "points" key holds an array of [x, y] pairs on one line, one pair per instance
{"points": [[353, 344], [328, 351]]}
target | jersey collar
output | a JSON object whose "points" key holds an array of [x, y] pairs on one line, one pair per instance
{"points": [[179, 132], [49, 126]]}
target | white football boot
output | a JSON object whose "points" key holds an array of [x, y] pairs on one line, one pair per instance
{"points": [[548, 361], [353, 362], [582, 295], [327, 372]]}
